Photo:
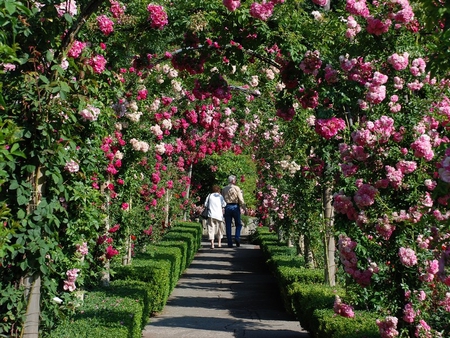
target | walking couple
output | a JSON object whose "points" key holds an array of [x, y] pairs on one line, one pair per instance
{"points": [[225, 205]]}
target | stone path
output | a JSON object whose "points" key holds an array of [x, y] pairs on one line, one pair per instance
{"points": [[226, 292]]}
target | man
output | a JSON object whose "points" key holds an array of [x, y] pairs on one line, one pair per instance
{"points": [[233, 196]]}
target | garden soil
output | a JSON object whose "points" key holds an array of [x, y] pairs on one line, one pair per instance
{"points": [[225, 292]]}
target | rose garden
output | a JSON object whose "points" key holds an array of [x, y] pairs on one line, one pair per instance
{"points": [[117, 117]]}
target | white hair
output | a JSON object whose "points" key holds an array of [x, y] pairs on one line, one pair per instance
{"points": [[231, 179]]}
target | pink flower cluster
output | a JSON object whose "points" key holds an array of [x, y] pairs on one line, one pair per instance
{"points": [[311, 62], [343, 204], [117, 9], [328, 128], [444, 170], [98, 63], [432, 268], [158, 16], [384, 228], [407, 256], [357, 7], [353, 28], [349, 260], [261, 11], [365, 196], [376, 26], [399, 62], [72, 166], [69, 283], [105, 24], [388, 327], [232, 5], [110, 148], [342, 309], [82, 249], [408, 313], [76, 49], [90, 113], [377, 92], [422, 147], [69, 6]]}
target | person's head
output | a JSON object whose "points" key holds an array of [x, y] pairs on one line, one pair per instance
{"points": [[232, 179], [215, 188]]}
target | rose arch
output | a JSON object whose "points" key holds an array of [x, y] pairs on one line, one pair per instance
{"points": [[107, 106]]}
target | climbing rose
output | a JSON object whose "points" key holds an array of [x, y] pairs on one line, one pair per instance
{"points": [[98, 62], [158, 16], [105, 24], [388, 327], [407, 256], [342, 309], [117, 9], [69, 6], [328, 128], [72, 166], [69, 283], [82, 249], [320, 2], [77, 49], [261, 11], [111, 252], [232, 5]]}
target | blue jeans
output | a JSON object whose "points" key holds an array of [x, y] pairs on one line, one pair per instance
{"points": [[233, 212]]}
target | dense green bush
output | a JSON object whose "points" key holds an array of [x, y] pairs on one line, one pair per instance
{"points": [[326, 324], [119, 310], [136, 291], [308, 297], [154, 273]]}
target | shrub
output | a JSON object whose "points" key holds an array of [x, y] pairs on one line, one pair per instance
{"points": [[155, 273], [116, 311], [308, 297], [326, 324]]}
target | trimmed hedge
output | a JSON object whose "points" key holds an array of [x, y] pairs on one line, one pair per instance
{"points": [[305, 294], [325, 323], [117, 311], [122, 309], [308, 297], [156, 275]]}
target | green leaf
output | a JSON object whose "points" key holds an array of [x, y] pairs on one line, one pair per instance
{"points": [[49, 56], [10, 7], [23, 265], [64, 87], [21, 214], [22, 200], [14, 185], [44, 79]]}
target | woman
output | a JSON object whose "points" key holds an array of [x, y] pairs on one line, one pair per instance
{"points": [[215, 204]]}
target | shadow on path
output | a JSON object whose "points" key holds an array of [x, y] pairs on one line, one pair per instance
{"points": [[225, 292]]}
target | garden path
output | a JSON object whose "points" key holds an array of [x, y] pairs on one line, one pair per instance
{"points": [[225, 292]]}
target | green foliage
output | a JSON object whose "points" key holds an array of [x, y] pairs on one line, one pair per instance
{"points": [[216, 168], [119, 310], [306, 298], [155, 273], [325, 324]]}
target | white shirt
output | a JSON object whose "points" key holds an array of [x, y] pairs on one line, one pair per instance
{"points": [[216, 203]]}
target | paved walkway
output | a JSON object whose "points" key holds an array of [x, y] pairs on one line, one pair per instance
{"points": [[226, 292]]}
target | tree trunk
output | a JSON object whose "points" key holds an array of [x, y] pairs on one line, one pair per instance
{"points": [[32, 283], [329, 240], [188, 192], [33, 291], [106, 277], [166, 212]]}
